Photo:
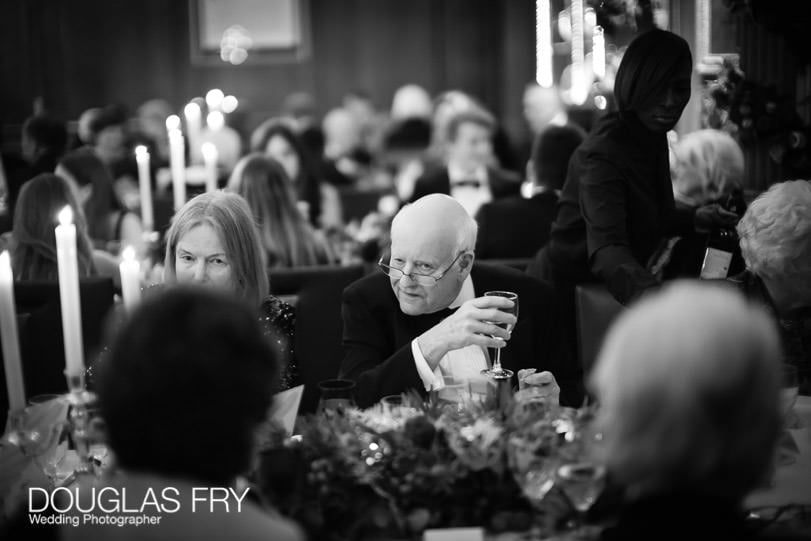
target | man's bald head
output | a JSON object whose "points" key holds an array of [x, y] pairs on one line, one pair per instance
{"points": [[434, 237], [439, 218]]}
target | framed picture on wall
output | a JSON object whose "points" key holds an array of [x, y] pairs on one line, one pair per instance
{"points": [[238, 32]]}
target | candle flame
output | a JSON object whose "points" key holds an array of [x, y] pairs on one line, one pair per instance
{"points": [[214, 98], [215, 120], [66, 216], [229, 104], [128, 254], [191, 109], [140, 151], [209, 151], [173, 122]]}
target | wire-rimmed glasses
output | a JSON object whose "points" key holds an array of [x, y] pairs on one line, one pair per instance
{"points": [[425, 280]]}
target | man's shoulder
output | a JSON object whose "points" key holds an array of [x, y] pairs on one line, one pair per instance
{"points": [[371, 288]]}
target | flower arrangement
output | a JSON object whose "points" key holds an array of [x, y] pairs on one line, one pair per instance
{"points": [[753, 112], [392, 472]]}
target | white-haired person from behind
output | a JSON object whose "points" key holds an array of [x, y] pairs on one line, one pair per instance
{"points": [[688, 381], [775, 241], [706, 167]]}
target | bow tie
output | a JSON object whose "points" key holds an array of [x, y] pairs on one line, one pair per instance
{"points": [[472, 183]]}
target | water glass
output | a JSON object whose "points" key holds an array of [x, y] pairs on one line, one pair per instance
{"points": [[337, 395], [789, 388]]}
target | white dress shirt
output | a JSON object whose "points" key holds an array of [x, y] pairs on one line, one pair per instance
{"points": [[470, 197], [459, 365]]}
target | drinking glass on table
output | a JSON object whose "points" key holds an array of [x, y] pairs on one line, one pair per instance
{"points": [[789, 388], [497, 371]]}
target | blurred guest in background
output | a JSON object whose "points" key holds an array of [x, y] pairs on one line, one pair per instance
{"points": [[43, 142], [110, 141], [299, 108], [775, 239], [277, 140], [206, 377], [467, 175], [517, 227], [213, 242], [408, 137], [402, 329], [109, 223], [345, 161], [688, 382], [32, 243], [288, 239], [452, 102], [707, 168], [84, 128], [543, 108]]}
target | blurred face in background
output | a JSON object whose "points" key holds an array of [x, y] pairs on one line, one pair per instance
{"points": [[110, 143], [471, 147], [280, 150], [200, 259]]}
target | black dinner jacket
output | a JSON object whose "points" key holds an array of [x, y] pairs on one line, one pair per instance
{"points": [[515, 227], [502, 183], [377, 335]]}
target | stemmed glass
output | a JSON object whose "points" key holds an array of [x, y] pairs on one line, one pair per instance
{"points": [[580, 476], [497, 371]]}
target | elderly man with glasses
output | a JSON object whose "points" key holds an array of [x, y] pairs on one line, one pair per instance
{"points": [[424, 318]]}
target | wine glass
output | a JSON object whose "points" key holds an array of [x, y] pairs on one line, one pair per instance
{"points": [[582, 482], [497, 371]]}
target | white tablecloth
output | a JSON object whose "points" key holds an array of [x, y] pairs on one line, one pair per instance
{"points": [[791, 483]]}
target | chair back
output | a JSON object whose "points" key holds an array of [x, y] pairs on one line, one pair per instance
{"points": [[39, 314], [356, 204], [316, 294], [519, 263], [596, 310]]}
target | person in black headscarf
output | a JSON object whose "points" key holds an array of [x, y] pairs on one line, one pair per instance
{"points": [[617, 201]]}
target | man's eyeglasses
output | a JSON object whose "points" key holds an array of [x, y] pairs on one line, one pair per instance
{"points": [[425, 280]]}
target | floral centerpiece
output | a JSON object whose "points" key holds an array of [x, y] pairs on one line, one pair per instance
{"points": [[392, 472]]}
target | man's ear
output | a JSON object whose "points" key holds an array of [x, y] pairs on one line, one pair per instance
{"points": [[466, 261]]}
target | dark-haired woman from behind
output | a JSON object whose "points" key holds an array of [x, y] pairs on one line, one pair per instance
{"points": [[288, 239], [110, 224], [277, 140], [32, 243]]}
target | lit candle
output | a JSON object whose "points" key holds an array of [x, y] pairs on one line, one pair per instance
{"points": [[598, 52], [193, 127], [214, 99], [177, 163], [172, 123], [8, 334], [68, 269], [130, 271], [215, 121], [210, 159], [142, 157]]}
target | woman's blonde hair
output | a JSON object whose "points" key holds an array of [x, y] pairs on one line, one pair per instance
{"points": [[229, 215], [688, 381], [287, 238]]}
